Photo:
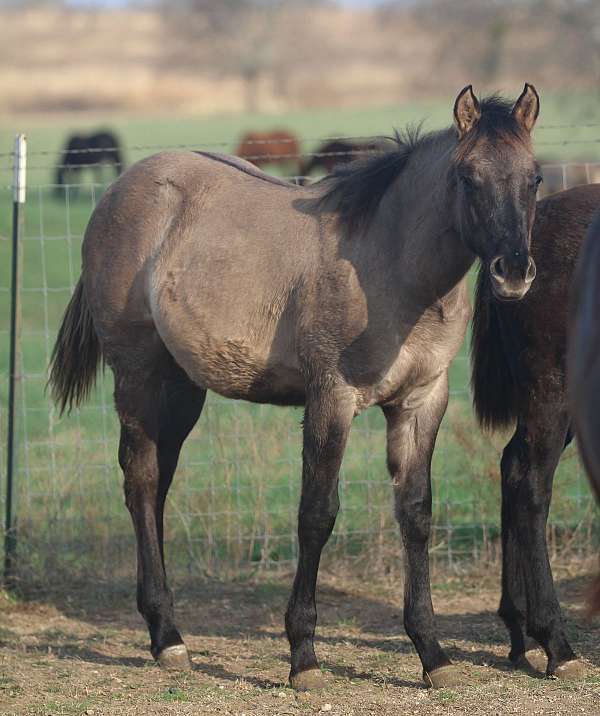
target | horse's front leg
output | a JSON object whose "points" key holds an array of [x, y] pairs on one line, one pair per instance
{"points": [[412, 427], [327, 418]]}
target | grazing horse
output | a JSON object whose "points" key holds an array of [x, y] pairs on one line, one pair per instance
{"points": [[331, 154], [583, 364], [201, 272], [277, 147], [518, 357], [88, 150]]}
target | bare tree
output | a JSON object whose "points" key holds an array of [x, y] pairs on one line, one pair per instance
{"points": [[232, 37]]}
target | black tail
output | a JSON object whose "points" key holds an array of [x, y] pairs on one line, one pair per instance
{"points": [[495, 348], [76, 354]]}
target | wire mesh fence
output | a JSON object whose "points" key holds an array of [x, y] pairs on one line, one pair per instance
{"points": [[233, 503]]}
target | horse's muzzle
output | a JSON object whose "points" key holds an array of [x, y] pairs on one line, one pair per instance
{"points": [[511, 281]]}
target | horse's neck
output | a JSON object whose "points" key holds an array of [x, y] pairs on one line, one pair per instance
{"points": [[417, 214]]}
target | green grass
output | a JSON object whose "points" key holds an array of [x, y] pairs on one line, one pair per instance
{"points": [[235, 496]]}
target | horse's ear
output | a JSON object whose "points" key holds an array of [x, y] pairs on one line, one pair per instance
{"points": [[527, 107], [466, 111]]}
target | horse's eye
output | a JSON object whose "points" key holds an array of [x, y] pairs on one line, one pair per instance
{"points": [[538, 180], [467, 182]]}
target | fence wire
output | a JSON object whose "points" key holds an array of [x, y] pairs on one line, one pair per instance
{"points": [[235, 495]]}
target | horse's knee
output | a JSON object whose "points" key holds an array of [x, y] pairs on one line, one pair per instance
{"points": [[415, 523], [413, 507], [317, 515]]}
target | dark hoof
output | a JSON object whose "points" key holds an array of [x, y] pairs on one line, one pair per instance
{"points": [[532, 661], [446, 677], [572, 670], [308, 680], [175, 658]]}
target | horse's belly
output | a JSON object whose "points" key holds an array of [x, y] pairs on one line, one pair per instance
{"points": [[235, 355], [235, 369]]}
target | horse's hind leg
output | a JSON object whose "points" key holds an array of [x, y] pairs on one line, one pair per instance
{"points": [[157, 408], [528, 465]]}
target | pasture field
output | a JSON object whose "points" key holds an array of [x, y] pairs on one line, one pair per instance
{"points": [[234, 498], [72, 654]]}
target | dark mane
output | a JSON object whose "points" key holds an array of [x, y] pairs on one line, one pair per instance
{"points": [[497, 373], [354, 190]]}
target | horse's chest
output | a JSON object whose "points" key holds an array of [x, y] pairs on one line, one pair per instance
{"points": [[425, 352]]}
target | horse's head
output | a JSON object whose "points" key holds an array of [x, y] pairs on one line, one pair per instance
{"points": [[496, 178]]}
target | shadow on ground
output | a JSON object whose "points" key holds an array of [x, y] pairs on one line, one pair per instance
{"points": [[348, 614]]}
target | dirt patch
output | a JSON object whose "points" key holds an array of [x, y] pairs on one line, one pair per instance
{"points": [[86, 653]]}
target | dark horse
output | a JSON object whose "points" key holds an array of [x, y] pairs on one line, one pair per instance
{"points": [[88, 150], [331, 154], [201, 272], [583, 363], [519, 376]]}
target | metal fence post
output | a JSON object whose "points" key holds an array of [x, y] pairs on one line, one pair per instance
{"points": [[19, 183]]}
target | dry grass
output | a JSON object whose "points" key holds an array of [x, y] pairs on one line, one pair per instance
{"points": [[79, 653], [303, 57]]}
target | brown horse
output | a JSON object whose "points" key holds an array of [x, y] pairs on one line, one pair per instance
{"points": [[201, 272], [583, 363], [277, 147], [519, 376]]}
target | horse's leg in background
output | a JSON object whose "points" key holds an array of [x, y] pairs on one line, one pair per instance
{"points": [[157, 408], [513, 602], [327, 419], [73, 181], [528, 465], [412, 427], [98, 170]]}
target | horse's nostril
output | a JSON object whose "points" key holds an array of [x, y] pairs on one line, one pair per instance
{"points": [[497, 269], [531, 271]]}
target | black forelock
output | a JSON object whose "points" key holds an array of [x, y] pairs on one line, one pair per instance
{"points": [[497, 118]]}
